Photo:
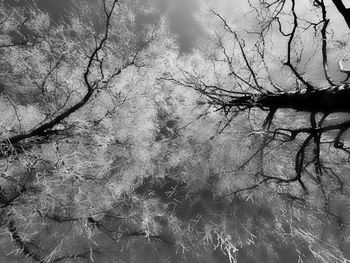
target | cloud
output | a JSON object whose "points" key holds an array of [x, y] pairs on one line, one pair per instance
{"points": [[182, 21]]}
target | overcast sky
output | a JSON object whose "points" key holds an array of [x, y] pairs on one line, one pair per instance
{"points": [[180, 13]]}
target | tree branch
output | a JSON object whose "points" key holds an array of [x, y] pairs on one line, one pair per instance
{"points": [[345, 12]]}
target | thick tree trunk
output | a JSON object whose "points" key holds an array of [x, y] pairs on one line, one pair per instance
{"points": [[334, 99]]}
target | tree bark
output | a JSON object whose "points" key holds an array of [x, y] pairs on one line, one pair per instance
{"points": [[330, 100]]}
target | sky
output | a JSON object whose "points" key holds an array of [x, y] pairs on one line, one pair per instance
{"points": [[180, 14]]}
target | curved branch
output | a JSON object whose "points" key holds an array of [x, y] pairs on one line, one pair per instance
{"points": [[345, 12], [325, 22], [45, 128], [289, 50]]}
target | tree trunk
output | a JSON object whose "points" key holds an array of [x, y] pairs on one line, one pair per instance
{"points": [[330, 100]]}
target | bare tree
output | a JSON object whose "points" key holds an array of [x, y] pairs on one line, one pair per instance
{"points": [[286, 79], [254, 85], [64, 71]]}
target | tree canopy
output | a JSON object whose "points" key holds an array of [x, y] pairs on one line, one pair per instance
{"points": [[116, 146]]}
